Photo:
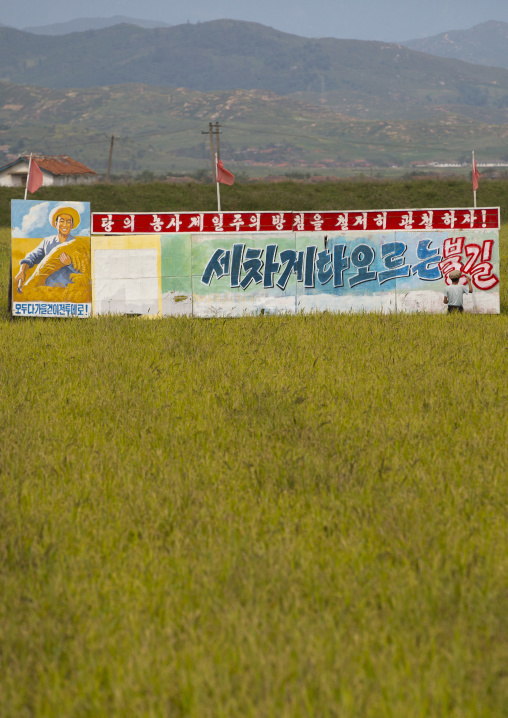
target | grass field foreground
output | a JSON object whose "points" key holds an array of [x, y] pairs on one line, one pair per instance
{"points": [[267, 516]]}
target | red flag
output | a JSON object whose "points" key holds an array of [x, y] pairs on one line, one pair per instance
{"points": [[476, 175], [34, 177], [224, 176]]}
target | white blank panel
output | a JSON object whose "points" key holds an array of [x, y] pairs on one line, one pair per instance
{"points": [[126, 281]]}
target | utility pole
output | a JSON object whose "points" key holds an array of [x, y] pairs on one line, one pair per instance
{"points": [[110, 157], [212, 153], [217, 134], [211, 132]]}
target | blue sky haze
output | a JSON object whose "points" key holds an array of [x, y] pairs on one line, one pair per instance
{"points": [[386, 20]]}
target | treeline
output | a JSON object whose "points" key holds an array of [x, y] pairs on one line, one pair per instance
{"points": [[340, 195]]}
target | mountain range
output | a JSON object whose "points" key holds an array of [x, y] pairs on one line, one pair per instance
{"points": [[359, 78], [83, 24], [484, 44], [345, 98]]}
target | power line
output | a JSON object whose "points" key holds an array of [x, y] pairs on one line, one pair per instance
{"points": [[124, 138], [80, 144], [252, 128], [159, 132], [242, 128]]}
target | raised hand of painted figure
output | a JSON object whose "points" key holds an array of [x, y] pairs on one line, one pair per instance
{"points": [[21, 277]]}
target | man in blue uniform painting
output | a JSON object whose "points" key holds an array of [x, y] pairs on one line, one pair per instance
{"points": [[64, 219]]}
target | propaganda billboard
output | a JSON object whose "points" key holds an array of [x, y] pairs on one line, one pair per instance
{"points": [[51, 267], [231, 264]]}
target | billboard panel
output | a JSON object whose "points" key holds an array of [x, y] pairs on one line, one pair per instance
{"points": [[231, 264], [126, 275], [51, 268], [232, 274]]}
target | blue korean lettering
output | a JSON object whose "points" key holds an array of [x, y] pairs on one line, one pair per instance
{"points": [[218, 264], [309, 266], [310, 258], [236, 264], [252, 264], [271, 266], [428, 257], [340, 264], [324, 266], [293, 262], [362, 257], [392, 254]]}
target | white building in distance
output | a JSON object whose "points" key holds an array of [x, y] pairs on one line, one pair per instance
{"points": [[56, 170]]}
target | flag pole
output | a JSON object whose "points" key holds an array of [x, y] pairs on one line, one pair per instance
{"points": [[217, 180], [474, 183], [28, 175]]}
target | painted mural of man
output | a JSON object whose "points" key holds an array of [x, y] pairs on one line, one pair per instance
{"points": [[64, 219]]}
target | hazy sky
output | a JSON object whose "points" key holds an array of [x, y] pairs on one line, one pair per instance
{"points": [[388, 20]]}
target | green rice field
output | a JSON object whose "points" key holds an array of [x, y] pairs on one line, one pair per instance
{"points": [[271, 516]]}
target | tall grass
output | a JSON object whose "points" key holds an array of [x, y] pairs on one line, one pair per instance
{"points": [[267, 516]]}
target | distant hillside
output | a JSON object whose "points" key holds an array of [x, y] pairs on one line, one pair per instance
{"points": [[83, 24], [485, 44], [358, 78], [161, 130]]}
